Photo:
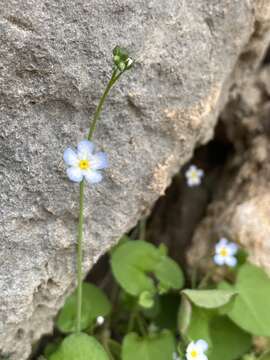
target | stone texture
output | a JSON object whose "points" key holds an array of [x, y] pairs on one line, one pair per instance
{"points": [[54, 62], [241, 210]]}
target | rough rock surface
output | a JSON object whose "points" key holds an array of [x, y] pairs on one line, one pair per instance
{"points": [[241, 210], [54, 61]]}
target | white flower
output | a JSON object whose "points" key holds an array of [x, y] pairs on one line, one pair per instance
{"points": [[225, 252], [100, 320], [83, 163], [196, 350], [194, 176]]}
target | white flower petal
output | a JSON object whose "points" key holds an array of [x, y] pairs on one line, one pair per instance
{"points": [[221, 244], [219, 260], [230, 261], [85, 149], [99, 161], [202, 344], [190, 346], [203, 357], [75, 174], [192, 182], [92, 176], [70, 157], [232, 248]]}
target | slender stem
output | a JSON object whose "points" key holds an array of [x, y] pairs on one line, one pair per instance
{"points": [[79, 259], [206, 278], [140, 324], [112, 81], [132, 319], [142, 229]]}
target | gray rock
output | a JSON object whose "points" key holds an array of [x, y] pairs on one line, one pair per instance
{"points": [[55, 57]]}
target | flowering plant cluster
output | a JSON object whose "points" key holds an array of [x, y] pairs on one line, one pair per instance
{"points": [[151, 311]]}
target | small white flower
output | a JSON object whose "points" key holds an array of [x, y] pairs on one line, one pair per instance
{"points": [[194, 176], [100, 320], [83, 163], [196, 350], [225, 253]]}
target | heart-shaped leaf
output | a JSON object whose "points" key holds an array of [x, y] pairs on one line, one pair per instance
{"points": [[94, 303], [250, 308], [80, 347], [210, 299], [134, 264], [156, 347]]}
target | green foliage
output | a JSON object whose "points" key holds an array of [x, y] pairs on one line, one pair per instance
{"points": [[156, 347], [148, 317], [249, 311], [134, 262], [210, 299], [229, 342], [79, 347], [225, 339], [94, 303]]}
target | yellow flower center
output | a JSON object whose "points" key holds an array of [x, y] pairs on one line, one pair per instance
{"points": [[194, 175], [194, 354], [84, 164], [224, 252]]}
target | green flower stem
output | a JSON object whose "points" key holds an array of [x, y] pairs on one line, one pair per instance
{"points": [[112, 81], [79, 260], [115, 76], [142, 229], [204, 282]]}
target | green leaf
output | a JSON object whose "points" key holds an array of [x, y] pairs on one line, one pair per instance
{"points": [[210, 299], [146, 300], [249, 310], [229, 342], [134, 262], [184, 315], [169, 273], [155, 347], [130, 264], [80, 347], [199, 325], [226, 340], [94, 303]]}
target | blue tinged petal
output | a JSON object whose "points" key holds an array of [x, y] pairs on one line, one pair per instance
{"points": [[232, 248], [99, 161], [85, 149], [202, 344], [219, 260], [221, 244], [70, 157], [75, 174], [230, 261], [92, 176]]}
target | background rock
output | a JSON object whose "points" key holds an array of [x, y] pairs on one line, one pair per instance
{"points": [[55, 58], [241, 210]]}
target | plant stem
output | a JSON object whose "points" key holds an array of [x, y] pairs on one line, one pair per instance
{"points": [[112, 81], [206, 278], [142, 229], [79, 259], [132, 319], [93, 125]]}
